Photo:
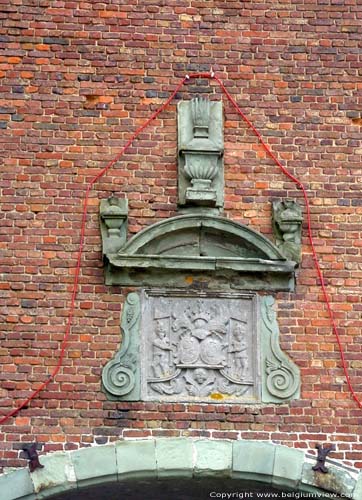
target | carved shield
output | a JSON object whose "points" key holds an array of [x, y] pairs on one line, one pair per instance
{"points": [[189, 350]]}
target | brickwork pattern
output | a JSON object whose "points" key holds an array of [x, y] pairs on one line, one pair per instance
{"points": [[76, 79]]}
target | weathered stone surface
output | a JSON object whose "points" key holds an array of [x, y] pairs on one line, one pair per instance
{"points": [[136, 459], [287, 226], [188, 345], [16, 484], [95, 463], [288, 466], [113, 218], [57, 475], [199, 347], [169, 251], [357, 492], [280, 376], [200, 158], [169, 457], [213, 458], [121, 375], [337, 480], [174, 457], [253, 460]]}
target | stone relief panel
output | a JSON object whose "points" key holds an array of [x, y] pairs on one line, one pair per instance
{"points": [[198, 347], [191, 346]]}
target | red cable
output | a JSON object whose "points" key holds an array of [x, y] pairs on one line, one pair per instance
{"points": [[83, 227], [80, 251], [310, 236]]}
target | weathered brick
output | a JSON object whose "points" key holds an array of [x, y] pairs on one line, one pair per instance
{"points": [[295, 71]]}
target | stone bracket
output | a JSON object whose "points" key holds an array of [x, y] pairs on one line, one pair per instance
{"points": [[280, 376], [121, 375], [287, 227], [113, 220]]}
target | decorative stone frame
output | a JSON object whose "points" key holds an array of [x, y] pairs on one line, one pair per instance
{"points": [[123, 376]]}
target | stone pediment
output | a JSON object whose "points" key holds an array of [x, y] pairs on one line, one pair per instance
{"points": [[188, 248]]}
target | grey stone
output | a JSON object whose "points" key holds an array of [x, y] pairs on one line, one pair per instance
{"points": [[190, 345], [288, 467], [16, 484], [337, 480], [174, 457], [199, 347], [57, 475], [113, 216], [357, 492], [287, 226], [200, 158], [136, 459], [230, 252], [280, 376], [253, 460], [213, 458], [95, 464], [121, 375]]}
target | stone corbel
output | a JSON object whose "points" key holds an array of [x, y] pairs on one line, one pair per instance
{"points": [[113, 217], [121, 376], [287, 227], [280, 376]]}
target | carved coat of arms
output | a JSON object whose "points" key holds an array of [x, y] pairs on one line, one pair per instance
{"points": [[198, 347]]}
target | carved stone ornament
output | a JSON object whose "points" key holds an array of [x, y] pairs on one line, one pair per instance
{"points": [[113, 215], [181, 251], [198, 346], [281, 377], [200, 148], [287, 225], [121, 375]]}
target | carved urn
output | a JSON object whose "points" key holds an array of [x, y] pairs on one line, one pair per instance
{"points": [[200, 153]]}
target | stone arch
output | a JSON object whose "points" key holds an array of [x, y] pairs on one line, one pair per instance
{"points": [[169, 458], [201, 235], [171, 250]]}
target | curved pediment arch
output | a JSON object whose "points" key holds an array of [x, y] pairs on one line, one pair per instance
{"points": [[202, 236], [190, 249]]}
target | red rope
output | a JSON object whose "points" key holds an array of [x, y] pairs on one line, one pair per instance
{"points": [[84, 220]]}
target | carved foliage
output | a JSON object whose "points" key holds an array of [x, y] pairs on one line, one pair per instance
{"points": [[121, 375], [281, 378]]}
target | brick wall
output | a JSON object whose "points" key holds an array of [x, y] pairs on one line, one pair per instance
{"points": [[76, 79]]}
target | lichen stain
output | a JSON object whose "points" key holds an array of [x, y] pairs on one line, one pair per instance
{"points": [[217, 396], [327, 481], [44, 485]]}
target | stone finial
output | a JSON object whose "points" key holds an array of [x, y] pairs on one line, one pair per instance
{"points": [[113, 214], [287, 226], [200, 147]]}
